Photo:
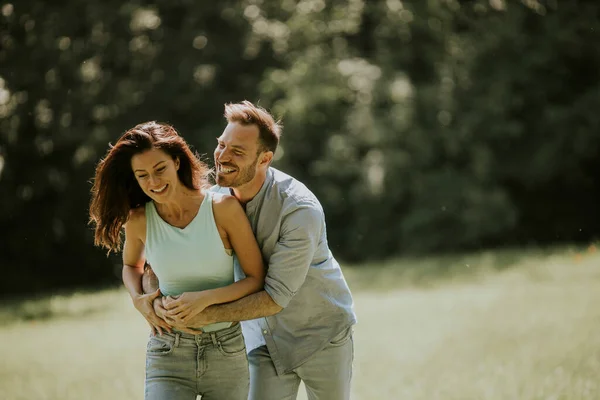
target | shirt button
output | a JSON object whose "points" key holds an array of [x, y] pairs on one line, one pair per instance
{"points": [[265, 332]]}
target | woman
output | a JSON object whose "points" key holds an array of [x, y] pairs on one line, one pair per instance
{"points": [[151, 184]]}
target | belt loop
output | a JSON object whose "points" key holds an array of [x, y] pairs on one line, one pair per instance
{"points": [[177, 335], [213, 337]]}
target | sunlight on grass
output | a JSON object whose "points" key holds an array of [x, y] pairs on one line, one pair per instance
{"points": [[505, 327]]}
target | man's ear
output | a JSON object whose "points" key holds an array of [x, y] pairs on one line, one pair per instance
{"points": [[266, 158]]}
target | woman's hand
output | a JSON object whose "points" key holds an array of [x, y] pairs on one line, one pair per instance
{"points": [[144, 304], [181, 309]]}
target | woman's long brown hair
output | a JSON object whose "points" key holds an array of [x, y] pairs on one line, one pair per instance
{"points": [[115, 191]]}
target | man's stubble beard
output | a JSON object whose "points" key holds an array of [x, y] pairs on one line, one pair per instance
{"points": [[244, 175]]}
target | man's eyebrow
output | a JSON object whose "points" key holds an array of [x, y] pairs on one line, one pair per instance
{"points": [[235, 146], [143, 170]]}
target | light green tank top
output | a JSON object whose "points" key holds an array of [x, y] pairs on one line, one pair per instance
{"points": [[188, 259]]}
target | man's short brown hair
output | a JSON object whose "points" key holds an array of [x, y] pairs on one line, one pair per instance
{"points": [[246, 113]]}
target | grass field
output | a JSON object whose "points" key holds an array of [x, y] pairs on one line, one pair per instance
{"points": [[496, 326]]}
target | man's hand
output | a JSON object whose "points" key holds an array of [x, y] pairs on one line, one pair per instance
{"points": [[159, 308], [186, 306], [144, 304], [206, 317], [161, 312]]}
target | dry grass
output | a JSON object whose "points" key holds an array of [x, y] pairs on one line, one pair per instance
{"points": [[510, 325]]}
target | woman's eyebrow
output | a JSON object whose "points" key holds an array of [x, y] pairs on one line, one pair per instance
{"points": [[143, 170]]}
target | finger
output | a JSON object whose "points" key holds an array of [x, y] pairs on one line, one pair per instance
{"points": [[177, 309], [155, 294], [172, 304], [162, 326], [160, 313], [171, 313], [158, 321], [174, 324], [166, 326], [188, 315], [152, 329], [167, 303]]}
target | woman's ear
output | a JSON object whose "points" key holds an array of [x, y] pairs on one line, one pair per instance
{"points": [[176, 163]]}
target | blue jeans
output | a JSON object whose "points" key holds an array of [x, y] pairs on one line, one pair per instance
{"points": [[180, 366], [326, 375]]}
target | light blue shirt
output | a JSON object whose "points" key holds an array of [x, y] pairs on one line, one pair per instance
{"points": [[303, 277]]}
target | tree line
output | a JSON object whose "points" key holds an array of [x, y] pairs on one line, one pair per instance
{"points": [[431, 126]]}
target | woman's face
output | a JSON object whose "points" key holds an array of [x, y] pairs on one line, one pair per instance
{"points": [[156, 173]]}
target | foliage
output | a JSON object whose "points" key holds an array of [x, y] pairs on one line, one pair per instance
{"points": [[421, 126]]}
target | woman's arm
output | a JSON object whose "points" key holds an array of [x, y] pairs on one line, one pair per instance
{"points": [[230, 217], [133, 270]]}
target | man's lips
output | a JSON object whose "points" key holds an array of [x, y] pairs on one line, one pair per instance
{"points": [[226, 170]]}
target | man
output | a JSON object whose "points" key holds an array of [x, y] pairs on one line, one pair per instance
{"points": [[299, 328]]}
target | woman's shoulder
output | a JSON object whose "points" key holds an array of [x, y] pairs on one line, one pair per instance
{"points": [[137, 219], [220, 197], [138, 213], [225, 205], [224, 201]]}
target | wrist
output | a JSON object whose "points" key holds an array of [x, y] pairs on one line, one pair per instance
{"points": [[135, 296], [210, 314]]}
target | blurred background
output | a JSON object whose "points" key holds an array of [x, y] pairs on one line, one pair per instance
{"points": [[453, 144]]}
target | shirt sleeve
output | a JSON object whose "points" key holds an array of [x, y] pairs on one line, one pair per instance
{"points": [[288, 265]]}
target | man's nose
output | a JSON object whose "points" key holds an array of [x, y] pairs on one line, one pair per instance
{"points": [[222, 155]]}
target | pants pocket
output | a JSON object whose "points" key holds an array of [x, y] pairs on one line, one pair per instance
{"points": [[341, 338], [232, 346], [159, 346]]}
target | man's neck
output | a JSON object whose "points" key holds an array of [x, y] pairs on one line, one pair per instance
{"points": [[248, 191]]}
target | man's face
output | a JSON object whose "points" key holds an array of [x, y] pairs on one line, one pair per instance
{"points": [[237, 155]]}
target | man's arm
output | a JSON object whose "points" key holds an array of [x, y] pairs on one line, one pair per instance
{"points": [[288, 267], [253, 306]]}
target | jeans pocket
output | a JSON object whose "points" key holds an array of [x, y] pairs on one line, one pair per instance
{"points": [[159, 346], [233, 345], [341, 338]]}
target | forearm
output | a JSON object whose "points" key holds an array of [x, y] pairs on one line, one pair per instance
{"points": [[235, 291], [253, 306], [132, 278]]}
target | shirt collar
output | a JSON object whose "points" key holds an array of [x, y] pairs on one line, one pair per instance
{"points": [[256, 200]]}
